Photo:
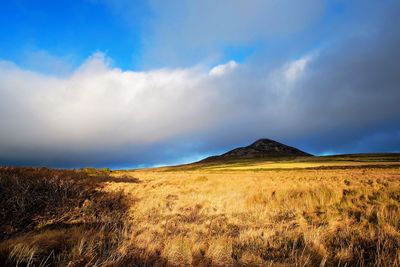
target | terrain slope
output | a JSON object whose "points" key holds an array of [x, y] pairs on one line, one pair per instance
{"points": [[262, 148]]}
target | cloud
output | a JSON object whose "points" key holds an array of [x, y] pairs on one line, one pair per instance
{"points": [[187, 32], [103, 115], [100, 107], [222, 69], [341, 97], [295, 69]]}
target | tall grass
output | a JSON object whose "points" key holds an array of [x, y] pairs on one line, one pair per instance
{"points": [[320, 217], [54, 217], [312, 217]]}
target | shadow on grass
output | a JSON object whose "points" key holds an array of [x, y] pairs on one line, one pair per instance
{"points": [[61, 217], [122, 179]]}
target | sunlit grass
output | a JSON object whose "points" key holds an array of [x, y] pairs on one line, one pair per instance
{"points": [[344, 214], [284, 215]]}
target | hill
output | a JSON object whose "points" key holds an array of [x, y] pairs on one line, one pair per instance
{"points": [[262, 148]]}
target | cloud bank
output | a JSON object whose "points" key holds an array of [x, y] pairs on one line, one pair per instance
{"points": [[342, 97]]}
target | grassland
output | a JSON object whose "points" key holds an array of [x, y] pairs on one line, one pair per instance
{"points": [[329, 211]]}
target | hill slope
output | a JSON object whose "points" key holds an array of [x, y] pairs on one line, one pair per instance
{"points": [[262, 148]]}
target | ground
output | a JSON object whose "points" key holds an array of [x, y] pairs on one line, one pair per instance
{"points": [[333, 211]]}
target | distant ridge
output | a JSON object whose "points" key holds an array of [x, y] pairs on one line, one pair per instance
{"points": [[262, 148]]}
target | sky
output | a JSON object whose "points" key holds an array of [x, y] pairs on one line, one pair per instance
{"points": [[129, 83]]}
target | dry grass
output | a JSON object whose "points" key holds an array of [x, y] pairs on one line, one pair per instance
{"points": [[177, 217], [52, 217]]}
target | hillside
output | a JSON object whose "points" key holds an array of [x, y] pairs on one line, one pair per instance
{"points": [[266, 154], [262, 148]]}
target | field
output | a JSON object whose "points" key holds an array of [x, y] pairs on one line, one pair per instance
{"points": [[325, 211]]}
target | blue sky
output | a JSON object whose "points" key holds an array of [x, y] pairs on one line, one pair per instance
{"points": [[74, 30], [122, 83], [68, 29]]}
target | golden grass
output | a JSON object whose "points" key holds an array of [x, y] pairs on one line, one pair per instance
{"points": [[271, 165], [347, 216], [268, 217]]}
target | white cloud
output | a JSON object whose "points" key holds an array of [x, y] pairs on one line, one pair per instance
{"points": [[99, 107], [100, 113], [222, 69]]}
